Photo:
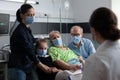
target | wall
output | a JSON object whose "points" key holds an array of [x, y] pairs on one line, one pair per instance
{"points": [[49, 7], [79, 11], [83, 8]]}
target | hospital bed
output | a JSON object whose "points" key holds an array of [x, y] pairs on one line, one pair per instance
{"points": [[4, 54]]}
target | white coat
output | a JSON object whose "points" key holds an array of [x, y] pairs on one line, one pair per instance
{"points": [[105, 64]]}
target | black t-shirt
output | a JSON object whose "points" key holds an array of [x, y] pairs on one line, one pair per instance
{"points": [[46, 76]]}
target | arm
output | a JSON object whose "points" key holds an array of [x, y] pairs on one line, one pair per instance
{"points": [[43, 67], [66, 66], [47, 69], [81, 60], [91, 48]]}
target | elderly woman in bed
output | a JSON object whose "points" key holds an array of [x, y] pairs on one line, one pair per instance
{"points": [[62, 56]]}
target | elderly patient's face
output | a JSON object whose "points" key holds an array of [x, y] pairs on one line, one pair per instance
{"points": [[54, 36]]}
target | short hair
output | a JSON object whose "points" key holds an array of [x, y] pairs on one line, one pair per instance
{"points": [[81, 29], [104, 21], [39, 41], [53, 32]]}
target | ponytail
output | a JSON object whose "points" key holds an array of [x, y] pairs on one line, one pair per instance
{"points": [[113, 34], [19, 19], [104, 21]]}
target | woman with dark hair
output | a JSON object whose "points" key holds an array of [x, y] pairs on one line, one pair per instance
{"points": [[22, 47], [104, 65]]}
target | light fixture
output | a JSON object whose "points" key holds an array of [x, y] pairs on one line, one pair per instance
{"points": [[22, 1], [67, 4]]}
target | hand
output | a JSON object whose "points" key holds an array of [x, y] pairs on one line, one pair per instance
{"points": [[54, 69], [80, 59], [51, 70], [75, 67]]}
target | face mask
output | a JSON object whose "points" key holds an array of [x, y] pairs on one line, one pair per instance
{"points": [[42, 52], [94, 40], [76, 39], [29, 20], [57, 42]]}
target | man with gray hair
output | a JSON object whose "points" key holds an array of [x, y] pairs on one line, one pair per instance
{"points": [[81, 46]]}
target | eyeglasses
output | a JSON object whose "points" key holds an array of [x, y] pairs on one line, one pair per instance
{"points": [[75, 34]]}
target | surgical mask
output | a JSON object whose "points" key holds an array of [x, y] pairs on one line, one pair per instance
{"points": [[95, 42], [76, 39], [29, 20], [57, 41], [42, 52]]}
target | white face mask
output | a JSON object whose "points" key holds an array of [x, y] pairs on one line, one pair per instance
{"points": [[95, 42], [94, 37], [42, 52]]}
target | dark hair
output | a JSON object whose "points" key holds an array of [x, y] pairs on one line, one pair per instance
{"points": [[24, 8], [104, 21], [40, 41]]}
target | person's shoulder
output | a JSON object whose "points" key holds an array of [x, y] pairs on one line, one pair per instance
{"points": [[93, 58], [68, 48], [70, 45], [97, 57], [86, 40], [52, 48], [18, 30]]}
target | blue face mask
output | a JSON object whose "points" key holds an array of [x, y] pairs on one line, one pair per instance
{"points": [[42, 52], [95, 42], [29, 20], [57, 41], [76, 39]]}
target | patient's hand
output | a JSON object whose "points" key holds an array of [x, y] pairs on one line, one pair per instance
{"points": [[75, 67], [80, 59]]}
